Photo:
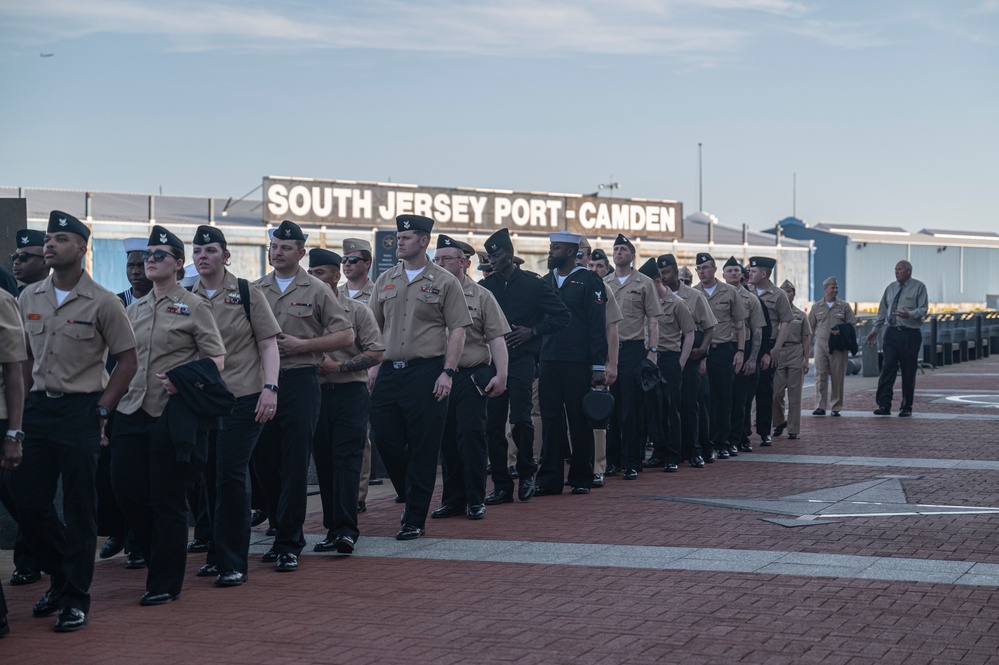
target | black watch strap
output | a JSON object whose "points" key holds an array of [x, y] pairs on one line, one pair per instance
{"points": [[450, 372], [271, 387]]}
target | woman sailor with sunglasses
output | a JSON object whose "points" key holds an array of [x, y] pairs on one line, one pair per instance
{"points": [[173, 327], [249, 331]]}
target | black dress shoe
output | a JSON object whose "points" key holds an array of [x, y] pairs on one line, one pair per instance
{"points": [[271, 531], [598, 480], [286, 563], [230, 578], [208, 570], [499, 496], [767, 441], [447, 510], [4, 626], [325, 545], [527, 489], [399, 498], [779, 429], [792, 436], [836, 414], [580, 490], [819, 412], [269, 556], [611, 470], [476, 511], [710, 458], [733, 450], [48, 605], [24, 575], [722, 453], [544, 491], [69, 620], [112, 546], [410, 532], [905, 413], [697, 462], [671, 467], [197, 545], [882, 411], [257, 517], [512, 472], [745, 448], [654, 463], [374, 482], [135, 560], [630, 474], [343, 545], [150, 598], [362, 507]]}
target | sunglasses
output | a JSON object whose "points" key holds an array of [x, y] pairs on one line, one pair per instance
{"points": [[24, 257], [352, 259], [158, 256]]}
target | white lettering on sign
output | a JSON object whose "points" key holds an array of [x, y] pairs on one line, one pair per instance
{"points": [[526, 212], [629, 217]]}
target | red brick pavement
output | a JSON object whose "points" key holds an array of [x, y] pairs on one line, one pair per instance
{"points": [[368, 610]]}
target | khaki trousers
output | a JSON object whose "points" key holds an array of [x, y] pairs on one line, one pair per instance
{"points": [[789, 376], [829, 366]]}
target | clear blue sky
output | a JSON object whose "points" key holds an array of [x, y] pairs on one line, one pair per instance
{"points": [[887, 111]]}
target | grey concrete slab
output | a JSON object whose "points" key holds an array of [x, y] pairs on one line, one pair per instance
{"points": [[851, 491], [832, 560], [896, 462], [979, 580], [805, 570], [793, 524]]}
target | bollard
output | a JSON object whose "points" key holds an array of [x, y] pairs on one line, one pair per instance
{"points": [[852, 366], [994, 337], [929, 352], [961, 338], [869, 360], [946, 339]]}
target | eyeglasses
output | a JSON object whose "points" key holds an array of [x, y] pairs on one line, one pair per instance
{"points": [[441, 259], [352, 259], [158, 256], [24, 257]]}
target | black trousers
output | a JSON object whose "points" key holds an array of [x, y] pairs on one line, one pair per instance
{"points": [[743, 394], [901, 352], [690, 417], [152, 488], [408, 422], [765, 393], [463, 446], [338, 448], [667, 443], [282, 456], [227, 486], [517, 403], [561, 388], [63, 438], [721, 374], [24, 558], [627, 433]]}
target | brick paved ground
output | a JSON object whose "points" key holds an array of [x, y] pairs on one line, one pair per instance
{"points": [[393, 610]]}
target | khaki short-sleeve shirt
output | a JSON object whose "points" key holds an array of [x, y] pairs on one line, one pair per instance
{"points": [[488, 323], [756, 317], [363, 294], [70, 342], [792, 351], [367, 337], [176, 329], [638, 300], [822, 318], [243, 372], [780, 309], [613, 313], [12, 345], [307, 309], [675, 322], [415, 316], [699, 308], [728, 308]]}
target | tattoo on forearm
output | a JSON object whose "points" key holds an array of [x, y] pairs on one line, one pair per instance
{"points": [[357, 363]]}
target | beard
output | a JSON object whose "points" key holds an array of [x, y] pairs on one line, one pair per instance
{"points": [[556, 262]]}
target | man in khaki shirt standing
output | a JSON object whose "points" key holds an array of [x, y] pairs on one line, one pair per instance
{"points": [[482, 373], [636, 294], [760, 270], [422, 313], [72, 324], [339, 442], [830, 366], [312, 323], [792, 365], [744, 387]]}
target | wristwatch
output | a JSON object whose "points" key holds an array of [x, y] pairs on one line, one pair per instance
{"points": [[271, 387], [15, 435], [450, 372], [102, 411], [653, 349]]}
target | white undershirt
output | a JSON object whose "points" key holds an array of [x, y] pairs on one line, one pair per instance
{"points": [[412, 274], [710, 291], [830, 304], [622, 280], [560, 280], [352, 292], [211, 292], [60, 295], [283, 283], [760, 292]]}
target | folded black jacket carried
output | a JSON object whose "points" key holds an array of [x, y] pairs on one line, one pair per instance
{"points": [[846, 340], [202, 399]]}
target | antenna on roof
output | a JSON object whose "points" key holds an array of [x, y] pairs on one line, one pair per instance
{"points": [[794, 194], [700, 180]]}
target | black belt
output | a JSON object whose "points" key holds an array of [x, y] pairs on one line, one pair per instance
{"points": [[332, 386], [415, 362], [298, 371], [720, 344], [631, 342], [51, 394]]}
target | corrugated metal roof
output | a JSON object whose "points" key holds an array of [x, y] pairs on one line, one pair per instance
{"points": [[848, 229]]}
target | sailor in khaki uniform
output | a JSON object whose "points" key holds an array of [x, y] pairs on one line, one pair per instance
{"points": [[760, 270], [830, 366], [613, 317], [792, 365], [312, 323], [744, 387], [339, 442], [423, 316], [636, 294], [676, 339], [249, 332], [482, 374], [28, 260], [151, 477], [72, 324], [12, 354]]}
